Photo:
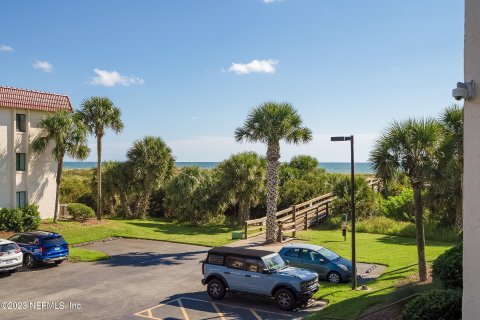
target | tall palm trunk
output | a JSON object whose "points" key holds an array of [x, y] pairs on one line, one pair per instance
{"points": [[243, 212], [57, 191], [273, 155], [99, 177], [422, 265]]}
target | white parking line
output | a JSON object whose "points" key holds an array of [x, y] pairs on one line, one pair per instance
{"points": [[239, 307], [184, 312], [255, 314], [147, 313]]}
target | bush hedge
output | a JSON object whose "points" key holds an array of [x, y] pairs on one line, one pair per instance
{"points": [[435, 304], [80, 212], [399, 207], [448, 267], [20, 219]]}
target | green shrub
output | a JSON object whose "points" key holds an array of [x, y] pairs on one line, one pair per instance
{"points": [[11, 219], [20, 219], [448, 267], [80, 212], [434, 305], [399, 207], [31, 217], [387, 226], [76, 187], [366, 200], [192, 196]]}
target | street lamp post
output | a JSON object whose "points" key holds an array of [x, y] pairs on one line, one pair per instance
{"points": [[352, 204]]}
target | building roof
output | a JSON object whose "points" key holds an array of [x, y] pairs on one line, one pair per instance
{"points": [[240, 252], [33, 100]]}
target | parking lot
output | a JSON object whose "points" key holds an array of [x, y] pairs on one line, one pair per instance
{"points": [[142, 279]]}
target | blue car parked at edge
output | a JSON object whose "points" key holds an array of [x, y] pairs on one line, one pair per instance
{"points": [[41, 246], [326, 263]]}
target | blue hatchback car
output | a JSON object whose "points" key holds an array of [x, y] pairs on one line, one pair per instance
{"points": [[326, 263], [41, 246]]}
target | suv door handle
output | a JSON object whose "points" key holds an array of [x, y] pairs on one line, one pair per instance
{"points": [[226, 272], [247, 275]]}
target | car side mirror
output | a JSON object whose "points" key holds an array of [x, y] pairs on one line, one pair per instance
{"points": [[287, 262], [321, 260], [266, 271]]}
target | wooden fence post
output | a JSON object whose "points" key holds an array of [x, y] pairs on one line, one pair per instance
{"points": [[326, 209], [280, 232], [246, 229], [316, 216], [306, 220], [294, 217]]}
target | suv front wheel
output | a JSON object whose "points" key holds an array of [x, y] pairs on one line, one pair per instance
{"points": [[285, 299], [216, 289]]}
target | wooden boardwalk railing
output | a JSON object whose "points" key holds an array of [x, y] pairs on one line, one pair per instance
{"points": [[299, 216]]}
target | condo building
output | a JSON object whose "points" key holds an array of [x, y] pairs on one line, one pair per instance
{"points": [[26, 177]]}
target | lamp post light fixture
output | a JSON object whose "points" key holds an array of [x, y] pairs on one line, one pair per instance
{"points": [[352, 204]]}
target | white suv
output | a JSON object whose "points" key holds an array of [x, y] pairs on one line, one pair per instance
{"points": [[11, 257]]}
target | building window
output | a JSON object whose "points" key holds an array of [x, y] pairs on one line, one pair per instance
{"points": [[21, 199], [20, 161], [21, 122]]}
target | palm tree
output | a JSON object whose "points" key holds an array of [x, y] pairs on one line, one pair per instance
{"points": [[242, 181], [445, 191], [191, 196], [100, 114], [270, 123], [152, 163], [410, 147], [67, 136]]}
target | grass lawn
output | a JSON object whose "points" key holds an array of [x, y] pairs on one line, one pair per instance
{"points": [[153, 229], [399, 254], [84, 255]]}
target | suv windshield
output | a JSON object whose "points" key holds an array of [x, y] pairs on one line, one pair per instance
{"points": [[54, 241], [8, 247], [274, 262], [330, 255]]}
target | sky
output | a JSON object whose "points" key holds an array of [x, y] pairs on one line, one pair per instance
{"points": [[189, 71]]}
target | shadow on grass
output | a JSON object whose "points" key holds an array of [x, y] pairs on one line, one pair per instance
{"points": [[173, 228], [398, 240], [372, 301], [147, 259]]}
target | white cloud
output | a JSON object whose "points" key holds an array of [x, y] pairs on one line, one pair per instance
{"points": [[45, 66], [113, 78], [5, 48], [260, 66]]}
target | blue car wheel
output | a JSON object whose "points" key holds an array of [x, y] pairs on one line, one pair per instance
{"points": [[334, 277], [30, 261]]}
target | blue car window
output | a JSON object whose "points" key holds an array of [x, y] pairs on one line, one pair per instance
{"points": [[292, 253], [315, 256], [305, 254], [330, 255], [14, 238], [54, 240]]}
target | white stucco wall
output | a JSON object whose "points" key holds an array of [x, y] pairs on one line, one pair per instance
{"points": [[39, 178], [471, 182], [5, 169]]}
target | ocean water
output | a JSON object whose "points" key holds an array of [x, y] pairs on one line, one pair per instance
{"points": [[334, 167]]}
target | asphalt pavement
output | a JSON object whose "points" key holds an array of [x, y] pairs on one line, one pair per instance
{"points": [[142, 279]]}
